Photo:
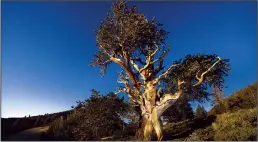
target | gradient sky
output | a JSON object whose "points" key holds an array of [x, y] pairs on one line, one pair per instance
{"points": [[47, 47]]}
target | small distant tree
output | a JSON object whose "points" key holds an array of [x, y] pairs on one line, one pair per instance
{"points": [[137, 44], [218, 95], [200, 112]]}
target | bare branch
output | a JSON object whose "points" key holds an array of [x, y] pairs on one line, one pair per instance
{"points": [[118, 61], [168, 97], [139, 60], [197, 75], [106, 62], [128, 70], [165, 73], [157, 49], [134, 65], [148, 61], [161, 57], [137, 68], [200, 79], [119, 90], [179, 83], [128, 91], [105, 50], [159, 90], [123, 78], [159, 67]]}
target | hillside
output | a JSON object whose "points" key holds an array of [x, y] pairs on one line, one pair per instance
{"points": [[14, 125], [235, 118]]}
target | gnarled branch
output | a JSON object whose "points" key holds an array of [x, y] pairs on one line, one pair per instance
{"points": [[162, 56], [128, 70], [148, 59], [200, 79]]}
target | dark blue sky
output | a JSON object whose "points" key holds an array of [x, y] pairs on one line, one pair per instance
{"points": [[47, 47]]}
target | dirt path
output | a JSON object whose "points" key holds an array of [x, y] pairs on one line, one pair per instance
{"points": [[28, 135]]}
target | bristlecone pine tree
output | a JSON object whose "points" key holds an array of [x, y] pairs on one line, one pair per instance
{"points": [[137, 44]]}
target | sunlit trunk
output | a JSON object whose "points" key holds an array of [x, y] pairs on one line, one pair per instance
{"points": [[147, 124], [149, 120], [147, 128]]}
